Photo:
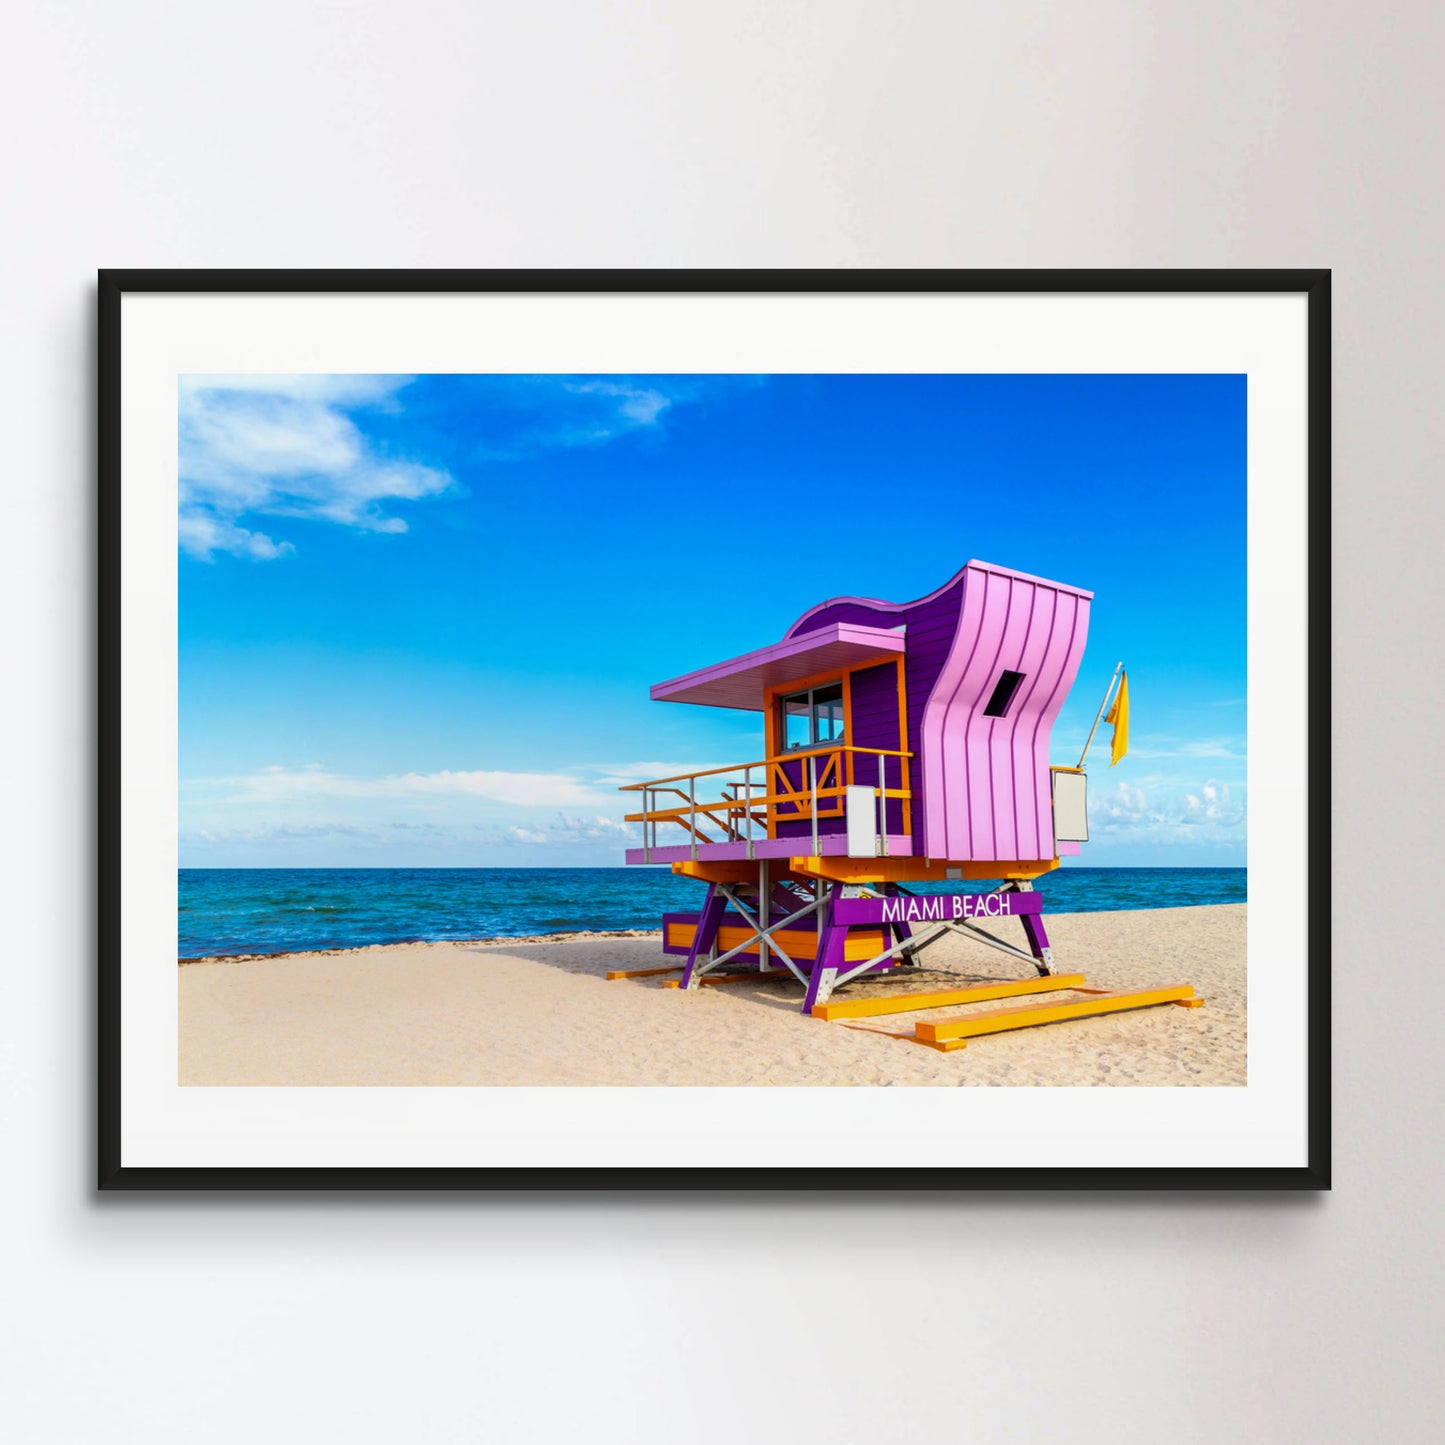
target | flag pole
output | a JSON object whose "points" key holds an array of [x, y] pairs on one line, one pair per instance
{"points": [[1107, 692]]}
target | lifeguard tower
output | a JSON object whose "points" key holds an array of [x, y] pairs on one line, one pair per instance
{"points": [[903, 743]]}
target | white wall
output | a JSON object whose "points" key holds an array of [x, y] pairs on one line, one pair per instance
{"points": [[750, 133]]}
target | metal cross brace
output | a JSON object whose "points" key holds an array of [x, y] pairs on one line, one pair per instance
{"points": [[921, 940], [762, 932]]}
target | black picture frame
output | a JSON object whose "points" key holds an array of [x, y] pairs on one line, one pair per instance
{"points": [[113, 1175]]}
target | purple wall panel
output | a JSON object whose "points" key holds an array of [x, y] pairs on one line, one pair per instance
{"points": [[797, 774], [875, 725], [932, 625], [859, 610]]}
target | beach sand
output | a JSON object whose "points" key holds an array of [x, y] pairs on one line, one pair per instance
{"points": [[541, 1012]]}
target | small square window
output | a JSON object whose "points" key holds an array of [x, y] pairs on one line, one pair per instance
{"points": [[812, 718], [1003, 694]]}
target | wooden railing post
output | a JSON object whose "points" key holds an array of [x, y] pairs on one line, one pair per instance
{"points": [[813, 799]]}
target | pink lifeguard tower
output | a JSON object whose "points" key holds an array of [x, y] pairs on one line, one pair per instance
{"points": [[902, 743]]}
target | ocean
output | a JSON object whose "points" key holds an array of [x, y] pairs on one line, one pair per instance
{"points": [[287, 910]]}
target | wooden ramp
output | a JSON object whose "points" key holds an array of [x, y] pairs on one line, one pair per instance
{"points": [[949, 1034]]}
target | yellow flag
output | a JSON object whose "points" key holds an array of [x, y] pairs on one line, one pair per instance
{"points": [[1119, 716]]}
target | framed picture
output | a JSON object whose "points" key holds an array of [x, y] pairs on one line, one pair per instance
{"points": [[725, 730]]}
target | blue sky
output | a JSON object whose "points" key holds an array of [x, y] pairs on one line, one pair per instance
{"points": [[419, 615]]}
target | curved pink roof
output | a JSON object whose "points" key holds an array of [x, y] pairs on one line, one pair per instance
{"points": [[873, 604]]}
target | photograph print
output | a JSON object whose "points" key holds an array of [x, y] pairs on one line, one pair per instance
{"points": [[556, 730], [629, 733]]}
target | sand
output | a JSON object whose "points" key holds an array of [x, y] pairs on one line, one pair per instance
{"points": [[541, 1012]]}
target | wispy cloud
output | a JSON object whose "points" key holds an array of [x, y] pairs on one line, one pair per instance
{"points": [[570, 830], [562, 830], [289, 810], [1160, 746], [524, 416], [377, 834], [617, 775], [1213, 803], [281, 785], [286, 446]]}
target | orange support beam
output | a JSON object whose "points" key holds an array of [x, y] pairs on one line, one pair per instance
{"points": [[911, 870], [797, 943], [731, 870]]}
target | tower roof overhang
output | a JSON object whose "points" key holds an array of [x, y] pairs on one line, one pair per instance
{"points": [[743, 682]]}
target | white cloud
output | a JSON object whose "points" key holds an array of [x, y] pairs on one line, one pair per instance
{"points": [[1162, 811], [329, 388], [449, 811], [1160, 746], [204, 534], [287, 446], [1121, 805], [1213, 804], [638, 405], [376, 834], [536, 790], [282, 446], [616, 775], [569, 830], [531, 414]]}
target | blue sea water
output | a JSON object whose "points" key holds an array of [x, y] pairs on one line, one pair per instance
{"points": [[286, 910]]}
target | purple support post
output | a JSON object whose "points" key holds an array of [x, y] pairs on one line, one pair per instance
{"points": [[1038, 941], [830, 955], [708, 921], [901, 930]]}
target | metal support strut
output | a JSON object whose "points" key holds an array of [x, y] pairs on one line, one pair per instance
{"points": [[755, 905], [830, 971]]}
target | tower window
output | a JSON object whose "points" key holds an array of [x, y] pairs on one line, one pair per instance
{"points": [[813, 717], [1003, 694]]}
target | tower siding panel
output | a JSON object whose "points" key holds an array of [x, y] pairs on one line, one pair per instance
{"points": [[986, 780], [874, 711]]}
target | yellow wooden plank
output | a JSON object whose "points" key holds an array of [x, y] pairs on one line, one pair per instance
{"points": [[998, 1020], [898, 1003], [643, 972]]}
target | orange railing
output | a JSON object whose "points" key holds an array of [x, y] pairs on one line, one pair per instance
{"points": [[751, 807]]}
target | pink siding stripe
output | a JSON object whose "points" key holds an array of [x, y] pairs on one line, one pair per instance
{"points": [[1072, 651], [982, 830], [934, 729], [1028, 665]]}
